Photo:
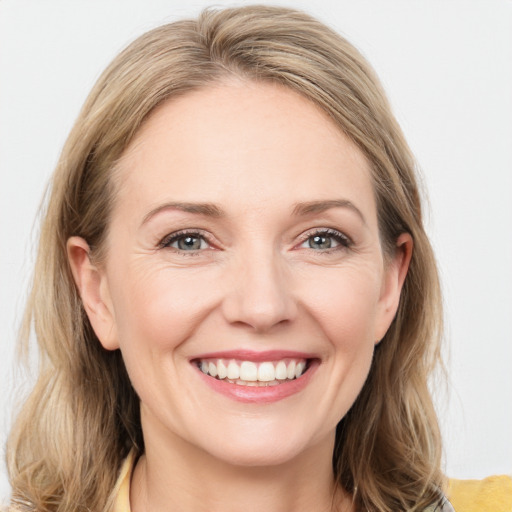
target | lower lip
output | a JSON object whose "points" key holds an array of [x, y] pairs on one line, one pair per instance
{"points": [[260, 394]]}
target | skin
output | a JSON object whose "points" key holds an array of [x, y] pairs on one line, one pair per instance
{"points": [[255, 151]]}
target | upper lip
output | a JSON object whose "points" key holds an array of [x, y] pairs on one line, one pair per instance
{"points": [[256, 356]]}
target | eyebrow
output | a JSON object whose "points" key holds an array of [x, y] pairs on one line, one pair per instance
{"points": [[206, 209], [321, 206], [212, 210]]}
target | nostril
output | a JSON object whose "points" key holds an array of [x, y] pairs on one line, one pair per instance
{"points": [[260, 308], [258, 294], [260, 324]]}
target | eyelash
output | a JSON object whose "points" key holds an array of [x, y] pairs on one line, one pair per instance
{"points": [[167, 242], [344, 241]]}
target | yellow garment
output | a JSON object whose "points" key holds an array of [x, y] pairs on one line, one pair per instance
{"points": [[122, 489], [492, 494]]}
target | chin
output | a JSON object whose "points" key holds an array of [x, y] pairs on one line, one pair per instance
{"points": [[262, 449], [257, 456]]}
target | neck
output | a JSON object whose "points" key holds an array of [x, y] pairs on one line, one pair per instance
{"points": [[177, 476]]}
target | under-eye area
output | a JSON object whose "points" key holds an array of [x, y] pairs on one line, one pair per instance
{"points": [[251, 373]]}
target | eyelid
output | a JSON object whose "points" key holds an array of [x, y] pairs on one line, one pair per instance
{"points": [[344, 240], [166, 242]]}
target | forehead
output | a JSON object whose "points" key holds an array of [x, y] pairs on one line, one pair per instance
{"points": [[242, 140]]}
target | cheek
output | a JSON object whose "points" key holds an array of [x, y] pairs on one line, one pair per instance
{"points": [[157, 309], [345, 306], [346, 310], [156, 312]]}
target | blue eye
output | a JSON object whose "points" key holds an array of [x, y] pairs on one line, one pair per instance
{"points": [[325, 240], [320, 242], [185, 242]]}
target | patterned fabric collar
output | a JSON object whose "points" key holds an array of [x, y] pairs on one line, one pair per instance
{"points": [[443, 505]]}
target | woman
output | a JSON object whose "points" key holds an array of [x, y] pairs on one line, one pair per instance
{"points": [[235, 299]]}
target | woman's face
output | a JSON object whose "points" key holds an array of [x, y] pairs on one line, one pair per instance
{"points": [[244, 281]]}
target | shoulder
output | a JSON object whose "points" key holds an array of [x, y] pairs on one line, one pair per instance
{"points": [[492, 494]]}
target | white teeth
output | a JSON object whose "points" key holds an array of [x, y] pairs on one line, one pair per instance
{"points": [[249, 373], [266, 372], [212, 369], [290, 372], [253, 384], [222, 371], [281, 373], [233, 371]]}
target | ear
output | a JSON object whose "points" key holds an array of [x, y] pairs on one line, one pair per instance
{"points": [[395, 272], [92, 285]]}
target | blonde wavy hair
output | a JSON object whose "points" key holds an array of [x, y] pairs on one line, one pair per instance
{"points": [[82, 418]]}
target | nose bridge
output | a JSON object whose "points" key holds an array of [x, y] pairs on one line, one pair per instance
{"points": [[260, 294]]}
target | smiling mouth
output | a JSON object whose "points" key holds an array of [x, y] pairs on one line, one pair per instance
{"points": [[257, 374]]}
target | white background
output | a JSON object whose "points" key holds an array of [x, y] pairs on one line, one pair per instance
{"points": [[447, 67]]}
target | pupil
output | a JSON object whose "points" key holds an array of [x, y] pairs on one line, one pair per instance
{"points": [[189, 242], [320, 242]]}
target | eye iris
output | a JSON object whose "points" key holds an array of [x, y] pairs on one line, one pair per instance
{"points": [[189, 243], [320, 242]]}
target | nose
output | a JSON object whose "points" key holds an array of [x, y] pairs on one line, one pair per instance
{"points": [[260, 295]]}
